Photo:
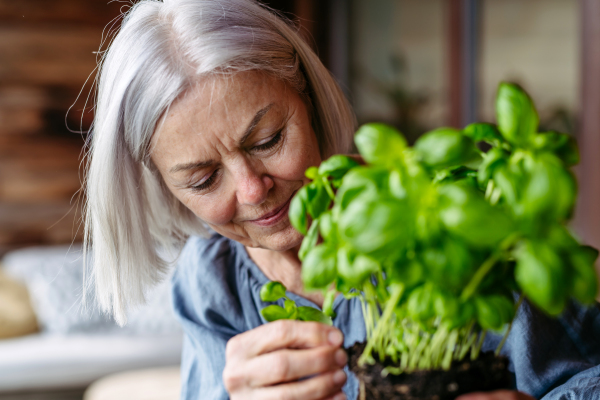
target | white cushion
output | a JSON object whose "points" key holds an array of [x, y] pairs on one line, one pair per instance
{"points": [[145, 384], [44, 361], [54, 277]]}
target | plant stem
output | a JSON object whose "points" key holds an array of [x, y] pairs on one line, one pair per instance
{"points": [[486, 267], [499, 348], [489, 189], [381, 327], [328, 188], [475, 351], [478, 276]]}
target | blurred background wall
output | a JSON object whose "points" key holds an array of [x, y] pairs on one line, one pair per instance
{"points": [[46, 56], [416, 64]]}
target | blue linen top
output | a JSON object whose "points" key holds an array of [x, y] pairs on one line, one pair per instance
{"points": [[216, 296]]}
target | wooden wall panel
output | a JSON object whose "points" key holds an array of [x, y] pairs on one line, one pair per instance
{"points": [[83, 12], [46, 55]]}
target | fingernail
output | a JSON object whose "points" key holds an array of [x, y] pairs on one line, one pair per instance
{"points": [[335, 337], [341, 357], [339, 377], [339, 396]]}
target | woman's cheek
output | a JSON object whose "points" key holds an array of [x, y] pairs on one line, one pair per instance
{"points": [[296, 156], [211, 208]]}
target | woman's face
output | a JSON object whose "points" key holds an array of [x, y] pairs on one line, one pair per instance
{"points": [[234, 151]]}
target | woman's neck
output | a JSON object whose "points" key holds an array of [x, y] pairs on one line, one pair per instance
{"points": [[285, 267]]}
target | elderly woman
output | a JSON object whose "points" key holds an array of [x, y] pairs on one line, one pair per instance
{"points": [[208, 113]]}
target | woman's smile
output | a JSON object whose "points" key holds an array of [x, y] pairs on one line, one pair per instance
{"points": [[273, 217]]}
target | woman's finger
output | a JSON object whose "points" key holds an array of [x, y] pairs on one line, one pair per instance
{"points": [[290, 365], [319, 387], [497, 395], [281, 335], [338, 396]]}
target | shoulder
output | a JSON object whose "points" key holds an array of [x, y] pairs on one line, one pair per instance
{"points": [[202, 253], [205, 284]]}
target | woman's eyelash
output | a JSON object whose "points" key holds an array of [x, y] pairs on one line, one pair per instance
{"points": [[271, 143], [207, 183]]}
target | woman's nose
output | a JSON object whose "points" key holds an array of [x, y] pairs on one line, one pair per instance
{"points": [[253, 186]]}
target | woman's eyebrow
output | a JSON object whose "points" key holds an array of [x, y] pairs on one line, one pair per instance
{"points": [[261, 113], [188, 166], [197, 165]]}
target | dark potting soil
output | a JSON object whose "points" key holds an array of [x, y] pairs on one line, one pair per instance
{"points": [[486, 373]]}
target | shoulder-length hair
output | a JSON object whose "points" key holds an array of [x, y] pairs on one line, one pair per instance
{"points": [[161, 49]]}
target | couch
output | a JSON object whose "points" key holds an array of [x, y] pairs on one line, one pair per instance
{"points": [[74, 345]]}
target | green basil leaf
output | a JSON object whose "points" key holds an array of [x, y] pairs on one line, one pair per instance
{"points": [[396, 185], [312, 173], [319, 267], [274, 312], [420, 303], [446, 305], [490, 313], [312, 314], [585, 282], [568, 153], [516, 115], [562, 145], [446, 147], [355, 270], [310, 241], [272, 291], [379, 144], [328, 303], [493, 159], [372, 181], [337, 166], [318, 199], [482, 132], [510, 183], [407, 272], [466, 214], [298, 211], [541, 276], [466, 313], [327, 227], [291, 309], [550, 190], [371, 225], [451, 264]]}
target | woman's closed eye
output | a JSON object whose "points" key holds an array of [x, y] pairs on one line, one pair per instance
{"points": [[207, 183], [269, 144]]}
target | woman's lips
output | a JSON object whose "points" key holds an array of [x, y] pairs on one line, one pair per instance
{"points": [[274, 216]]}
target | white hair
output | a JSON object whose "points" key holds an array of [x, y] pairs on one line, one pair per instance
{"points": [[160, 51]]}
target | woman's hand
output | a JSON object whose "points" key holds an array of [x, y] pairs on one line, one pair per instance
{"points": [[267, 362], [497, 395]]}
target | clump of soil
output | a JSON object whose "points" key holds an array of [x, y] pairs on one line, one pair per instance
{"points": [[486, 373]]}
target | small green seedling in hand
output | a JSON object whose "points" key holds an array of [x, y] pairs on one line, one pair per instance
{"points": [[274, 291]]}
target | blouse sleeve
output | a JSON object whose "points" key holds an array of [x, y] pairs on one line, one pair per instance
{"points": [[556, 358], [582, 326], [207, 304]]}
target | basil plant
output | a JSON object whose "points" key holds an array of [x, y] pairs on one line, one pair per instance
{"points": [[437, 238]]}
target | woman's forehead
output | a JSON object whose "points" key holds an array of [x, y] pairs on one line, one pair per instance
{"points": [[225, 100], [221, 108]]}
